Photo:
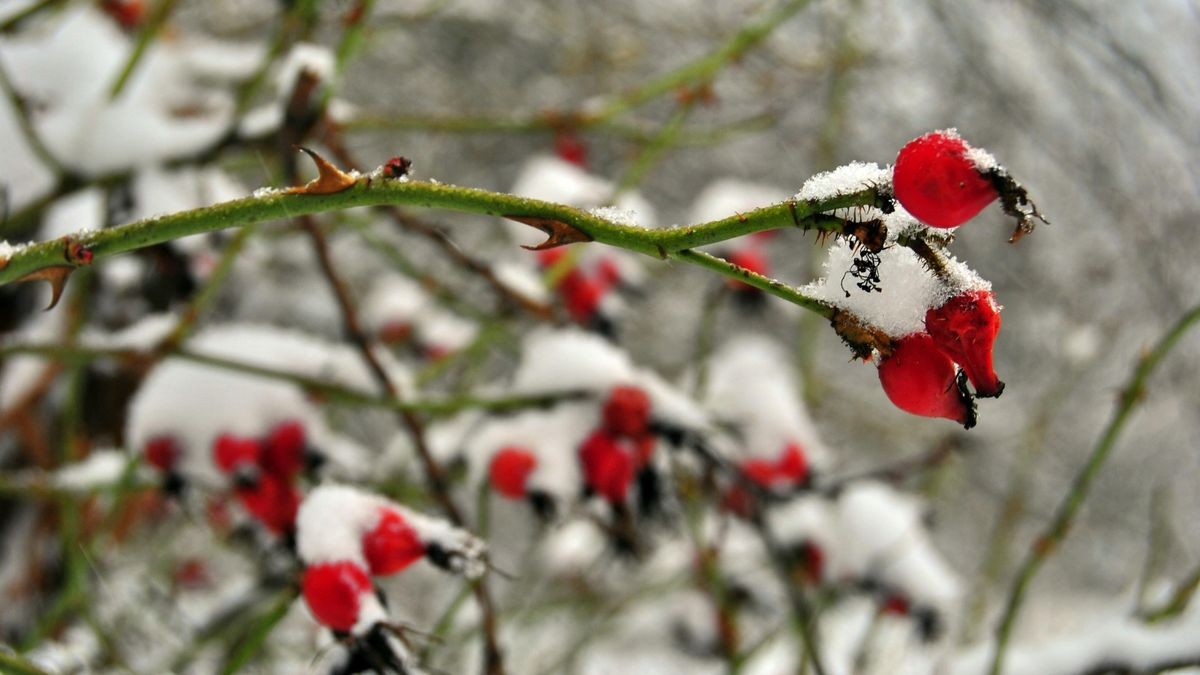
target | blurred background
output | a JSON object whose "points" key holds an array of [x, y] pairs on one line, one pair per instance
{"points": [[1091, 105]]}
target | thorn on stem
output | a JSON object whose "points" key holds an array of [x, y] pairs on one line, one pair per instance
{"points": [[557, 232], [329, 180]]}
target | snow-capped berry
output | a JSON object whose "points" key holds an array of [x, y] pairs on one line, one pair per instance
{"points": [[608, 468], [751, 258], [334, 591], [918, 378], [938, 182], [627, 411], [965, 329], [273, 501], [392, 544], [283, 450], [162, 452], [509, 471], [235, 453]]}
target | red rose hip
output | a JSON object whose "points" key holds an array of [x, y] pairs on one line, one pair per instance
{"points": [[333, 592], [965, 329], [509, 471], [936, 180], [918, 378], [627, 411], [392, 544]]}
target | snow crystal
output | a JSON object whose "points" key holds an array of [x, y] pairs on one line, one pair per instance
{"points": [[265, 191], [6, 250], [616, 214], [906, 289], [726, 196], [982, 159], [852, 177], [102, 468]]}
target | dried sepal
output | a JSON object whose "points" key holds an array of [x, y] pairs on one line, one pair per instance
{"points": [[862, 339], [1015, 202], [557, 232], [329, 180]]}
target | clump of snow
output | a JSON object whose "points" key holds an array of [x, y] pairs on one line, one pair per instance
{"points": [[726, 196], [843, 180], [616, 214], [751, 388], [142, 335], [77, 212], [522, 280], [444, 331], [572, 547], [102, 468], [982, 159], [6, 250], [393, 299], [309, 57], [573, 360], [906, 288], [194, 403], [333, 519]]}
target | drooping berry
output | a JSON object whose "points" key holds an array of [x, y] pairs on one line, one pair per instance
{"points": [[582, 296], [333, 592], [283, 451], [392, 544], [235, 453], [627, 411], [272, 501], [162, 452], [965, 329], [509, 471], [918, 378], [608, 468], [938, 182]]}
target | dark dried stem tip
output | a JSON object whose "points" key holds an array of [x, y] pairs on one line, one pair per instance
{"points": [[1015, 202]]}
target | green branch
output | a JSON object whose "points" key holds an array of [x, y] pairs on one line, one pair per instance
{"points": [[1054, 533], [577, 224]]}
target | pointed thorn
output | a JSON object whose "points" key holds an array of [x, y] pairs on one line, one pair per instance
{"points": [[56, 276], [557, 232], [329, 180]]}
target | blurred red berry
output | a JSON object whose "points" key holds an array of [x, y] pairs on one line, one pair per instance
{"points": [[272, 501], [570, 148], [232, 453], [509, 471], [162, 452], [965, 329], [548, 257], [812, 563], [283, 451], [793, 464], [392, 544], [897, 605], [627, 411], [333, 592], [128, 13], [938, 183], [582, 297], [918, 378], [608, 468], [394, 332], [751, 258]]}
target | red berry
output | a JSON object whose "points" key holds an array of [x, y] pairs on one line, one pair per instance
{"points": [[162, 452], [608, 271], [752, 258], [273, 501], [920, 379], [812, 562], [128, 13], [897, 605], [510, 470], [392, 544], [569, 147], [965, 329], [627, 411], [395, 332], [231, 453], [582, 297], [793, 464], [938, 183], [333, 592], [397, 167], [548, 257], [283, 454], [607, 467]]}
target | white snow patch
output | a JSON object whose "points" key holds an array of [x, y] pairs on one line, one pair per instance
{"points": [[102, 468], [843, 180], [728, 196]]}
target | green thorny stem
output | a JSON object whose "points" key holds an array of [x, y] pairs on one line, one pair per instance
{"points": [[1056, 531], [55, 259]]}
